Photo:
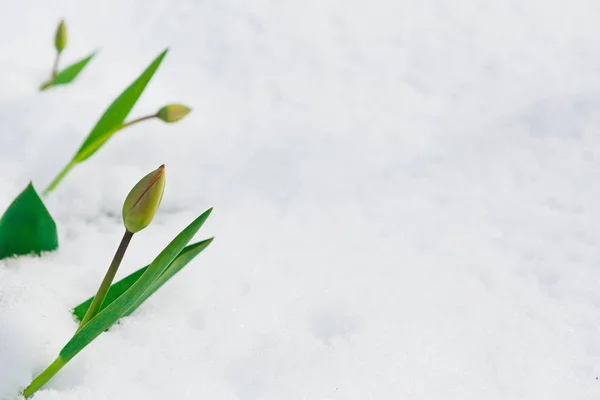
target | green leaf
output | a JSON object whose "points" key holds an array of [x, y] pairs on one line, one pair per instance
{"points": [[130, 298], [186, 255], [118, 288], [68, 74], [27, 227], [115, 115]]}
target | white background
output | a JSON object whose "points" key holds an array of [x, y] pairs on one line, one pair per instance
{"points": [[407, 198]]}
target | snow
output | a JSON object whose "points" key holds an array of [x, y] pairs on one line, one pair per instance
{"points": [[406, 198]]}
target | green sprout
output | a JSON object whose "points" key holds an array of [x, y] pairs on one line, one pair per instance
{"points": [[119, 300], [113, 120], [71, 72], [138, 211]]}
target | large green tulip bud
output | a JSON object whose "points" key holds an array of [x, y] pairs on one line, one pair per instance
{"points": [[143, 200]]}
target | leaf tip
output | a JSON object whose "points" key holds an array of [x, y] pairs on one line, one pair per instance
{"points": [[163, 54]]}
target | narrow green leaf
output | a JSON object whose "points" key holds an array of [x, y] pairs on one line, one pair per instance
{"points": [[44, 377], [27, 227], [115, 115], [127, 300], [68, 74], [118, 288], [186, 255], [115, 291]]}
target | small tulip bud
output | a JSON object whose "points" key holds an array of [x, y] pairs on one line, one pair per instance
{"points": [[173, 112], [143, 200], [60, 41]]}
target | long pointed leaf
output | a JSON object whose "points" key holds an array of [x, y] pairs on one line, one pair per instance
{"points": [[118, 288], [116, 113], [127, 300], [186, 255]]}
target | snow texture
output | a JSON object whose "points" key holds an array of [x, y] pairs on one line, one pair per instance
{"points": [[406, 193]]}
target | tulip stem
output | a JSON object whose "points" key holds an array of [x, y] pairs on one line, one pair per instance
{"points": [[107, 281], [135, 121], [55, 66], [53, 73], [59, 178]]}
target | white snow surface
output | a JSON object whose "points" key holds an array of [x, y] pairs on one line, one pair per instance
{"points": [[406, 198]]}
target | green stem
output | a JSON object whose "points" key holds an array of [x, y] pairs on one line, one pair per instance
{"points": [[55, 66], [44, 377], [135, 121], [107, 281], [59, 178]]}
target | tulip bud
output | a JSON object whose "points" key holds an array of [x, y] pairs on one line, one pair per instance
{"points": [[60, 41], [173, 112], [143, 200]]}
